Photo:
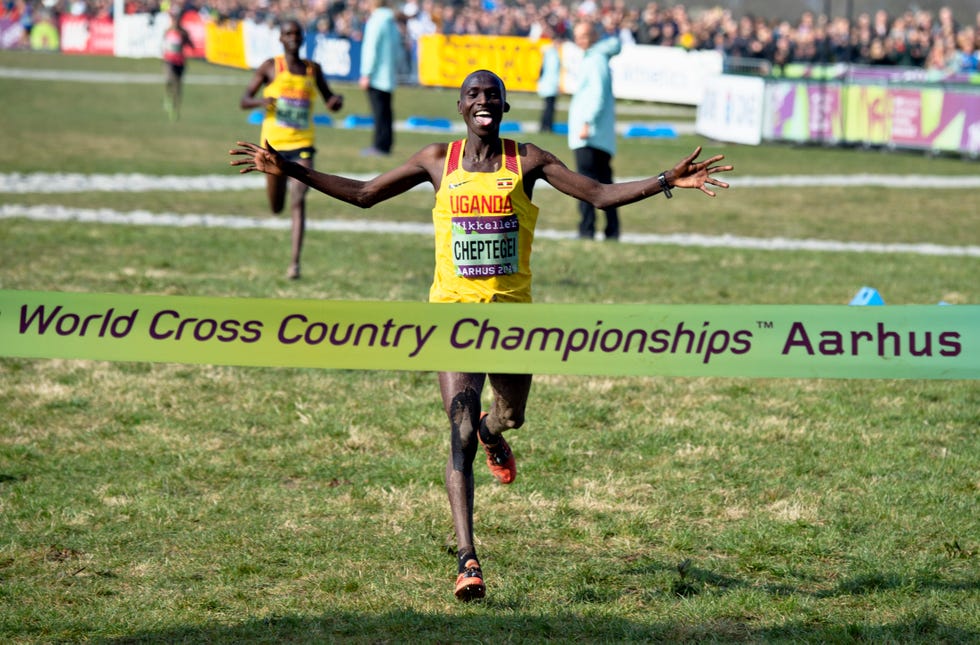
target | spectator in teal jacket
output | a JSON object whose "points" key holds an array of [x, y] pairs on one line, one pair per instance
{"points": [[380, 51], [549, 79], [592, 122]]}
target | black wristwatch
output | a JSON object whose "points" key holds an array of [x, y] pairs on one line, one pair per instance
{"points": [[664, 186]]}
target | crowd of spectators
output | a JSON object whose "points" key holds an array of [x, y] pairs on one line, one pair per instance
{"points": [[915, 38]]}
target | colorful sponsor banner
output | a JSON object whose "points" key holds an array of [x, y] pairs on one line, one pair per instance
{"points": [[664, 74], [224, 44], [102, 36], [732, 109], [894, 342], [803, 112], [12, 34], [339, 58], [247, 45], [933, 119], [875, 74], [905, 117], [81, 35], [74, 34], [444, 61], [140, 35], [136, 35], [641, 72], [43, 34], [261, 42]]}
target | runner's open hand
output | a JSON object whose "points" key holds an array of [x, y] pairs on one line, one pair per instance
{"points": [[259, 159], [689, 173]]}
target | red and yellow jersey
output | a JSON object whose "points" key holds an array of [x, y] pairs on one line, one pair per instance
{"points": [[173, 47], [289, 125], [484, 229]]}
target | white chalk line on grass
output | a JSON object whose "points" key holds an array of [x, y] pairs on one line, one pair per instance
{"points": [[127, 78], [54, 213], [42, 182]]}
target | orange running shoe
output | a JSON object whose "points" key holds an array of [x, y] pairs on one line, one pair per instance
{"points": [[500, 459], [469, 584]]}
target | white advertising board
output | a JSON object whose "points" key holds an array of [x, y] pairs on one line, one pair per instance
{"points": [[732, 109]]}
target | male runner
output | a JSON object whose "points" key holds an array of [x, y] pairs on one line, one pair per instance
{"points": [[290, 85], [484, 226]]}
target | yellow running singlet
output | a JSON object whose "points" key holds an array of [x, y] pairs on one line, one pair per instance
{"points": [[484, 228], [289, 125]]}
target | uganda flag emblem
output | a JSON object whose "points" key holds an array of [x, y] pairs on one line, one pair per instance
{"points": [[506, 182]]}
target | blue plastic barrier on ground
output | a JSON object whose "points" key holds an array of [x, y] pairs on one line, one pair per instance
{"points": [[427, 123], [255, 117], [510, 126], [659, 131], [358, 121]]}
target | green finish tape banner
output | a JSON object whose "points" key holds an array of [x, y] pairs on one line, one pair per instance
{"points": [[798, 341]]}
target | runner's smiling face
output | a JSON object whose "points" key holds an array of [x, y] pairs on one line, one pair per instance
{"points": [[482, 102]]}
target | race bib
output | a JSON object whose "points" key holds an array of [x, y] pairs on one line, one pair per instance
{"points": [[293, 113], [485, 246]]}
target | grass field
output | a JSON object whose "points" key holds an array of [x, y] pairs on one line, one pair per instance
{"points": [[163, 503]]}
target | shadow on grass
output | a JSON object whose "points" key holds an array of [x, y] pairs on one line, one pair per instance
{"points": [[495, 621], [692, 580], [875, 582], [412, 626]]}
